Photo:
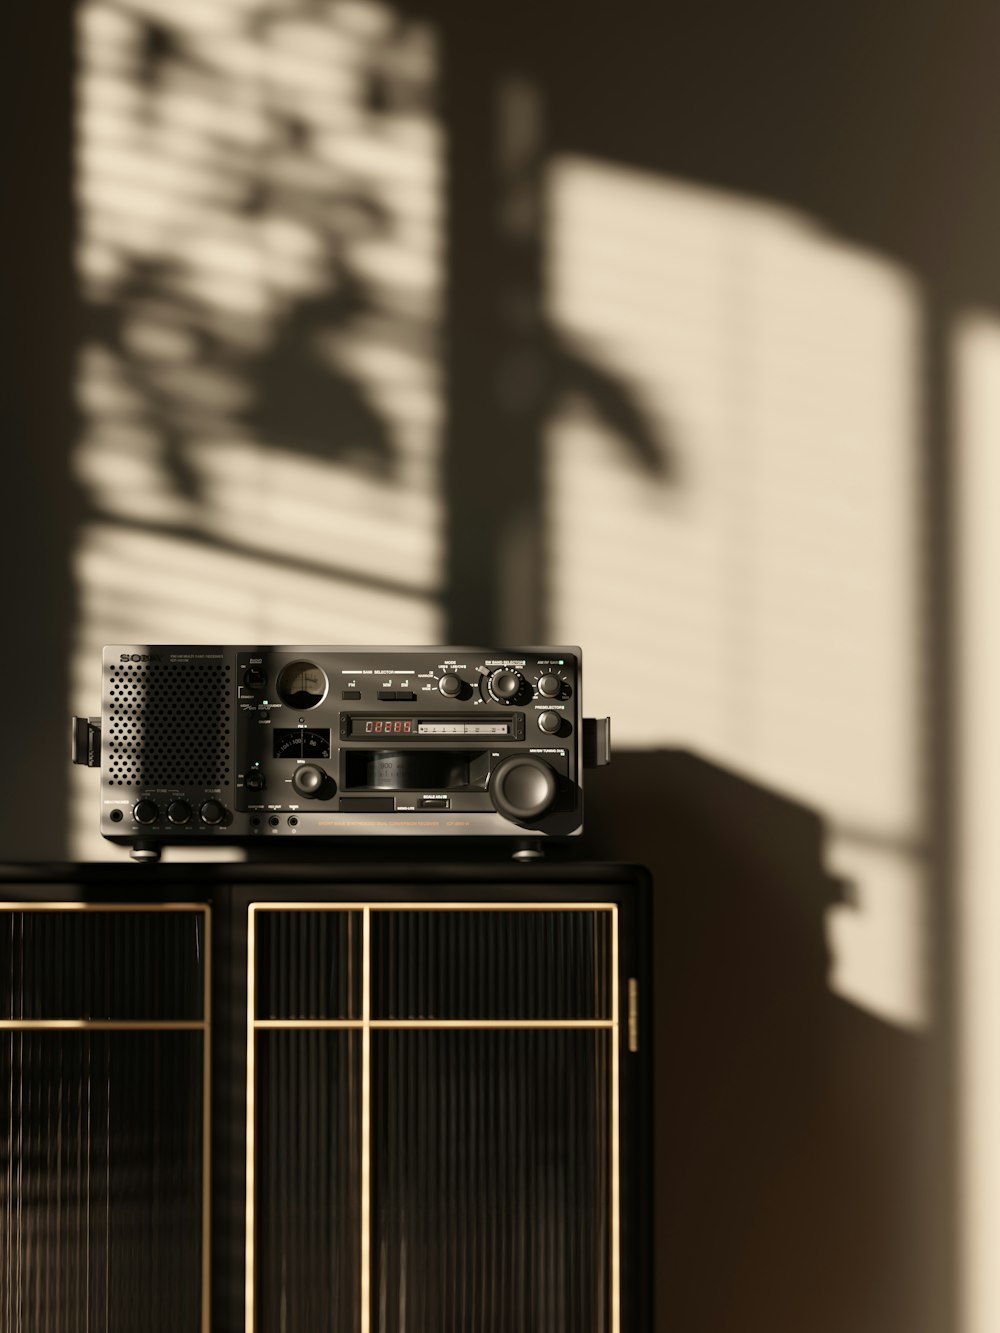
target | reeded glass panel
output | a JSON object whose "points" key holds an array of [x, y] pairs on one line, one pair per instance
{"points": [[469, 1116], [490, 1187], [308, 964], [491, 964], [307, 1181], [138, 965], [100, 1181]]}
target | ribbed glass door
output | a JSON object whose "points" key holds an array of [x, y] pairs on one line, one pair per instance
{"points": [[304, 1121], [104, 1033], [462, 1174]]}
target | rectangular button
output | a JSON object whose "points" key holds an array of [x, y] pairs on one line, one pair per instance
{"points": [[387, 695], [435, 803], [350, 694], [407, 695]]}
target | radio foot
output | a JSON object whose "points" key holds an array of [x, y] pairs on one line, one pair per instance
{"points": [[527, 852], [145, 851]]}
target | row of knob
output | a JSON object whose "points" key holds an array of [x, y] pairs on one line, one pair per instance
{"points": [[179, 812], [505, 686]]}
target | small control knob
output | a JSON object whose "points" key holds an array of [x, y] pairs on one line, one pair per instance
{"points": [[505, 686], [549, 686], [523, 788], [179, 812], [254, 780], [213, 812], [146, 812], [450, 685], [310, 780], [549, 722]]}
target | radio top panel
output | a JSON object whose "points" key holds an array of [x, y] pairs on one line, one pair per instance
{"points": [[230, 744]]}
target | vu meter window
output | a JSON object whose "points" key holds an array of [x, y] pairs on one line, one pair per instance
{"points": [[302, 684], [299, 743]]}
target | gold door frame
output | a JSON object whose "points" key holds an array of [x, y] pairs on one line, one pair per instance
{"points": [[203, 1025], [366, 1025]]}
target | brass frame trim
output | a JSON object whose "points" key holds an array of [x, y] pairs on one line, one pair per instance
{"points": [[102, 1025], [633, 1015], [366, 1025], [366, 1121], [250, 1270], [349, 1024], [206, 1141], [616, 1315], [7, 905], [203, 1025], [380, 1024], [432, 906], [526, 1024]]}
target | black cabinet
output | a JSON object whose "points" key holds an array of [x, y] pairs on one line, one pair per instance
{"points": [[368, 1099]]}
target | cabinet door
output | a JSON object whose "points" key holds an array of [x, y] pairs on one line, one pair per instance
{"points": [[104, 1050], [434, 1117]]}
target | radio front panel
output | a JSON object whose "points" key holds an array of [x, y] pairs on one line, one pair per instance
{"points": [[233, 743]]}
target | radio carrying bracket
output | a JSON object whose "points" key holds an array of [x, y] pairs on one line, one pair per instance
{"points": [[596, 742], [85, 740]]}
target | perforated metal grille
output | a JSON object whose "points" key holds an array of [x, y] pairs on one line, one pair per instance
{"points": [[168, 725]]}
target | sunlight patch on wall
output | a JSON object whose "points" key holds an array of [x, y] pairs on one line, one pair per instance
{"points": [[976, 364], [259, 192], [762, 583]]}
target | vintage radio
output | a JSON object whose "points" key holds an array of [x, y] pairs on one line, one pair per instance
{"points": [[242, 743]]}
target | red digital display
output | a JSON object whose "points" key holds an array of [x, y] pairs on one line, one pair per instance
{"points": [[388, 726]]}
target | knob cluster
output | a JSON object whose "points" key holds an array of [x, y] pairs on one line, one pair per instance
{"points": [[503, 685], [180, 812]]}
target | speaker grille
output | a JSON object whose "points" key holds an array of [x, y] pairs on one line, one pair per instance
{"points": [[168, 725]]}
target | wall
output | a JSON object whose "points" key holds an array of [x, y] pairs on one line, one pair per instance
{"points": [[360, 322]]}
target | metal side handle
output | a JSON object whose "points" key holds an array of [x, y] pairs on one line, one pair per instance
{"points": [[596, 742], [85, 741]]}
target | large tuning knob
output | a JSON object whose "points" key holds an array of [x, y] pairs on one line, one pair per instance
{"points": [[523, 788], [312, 782]]}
